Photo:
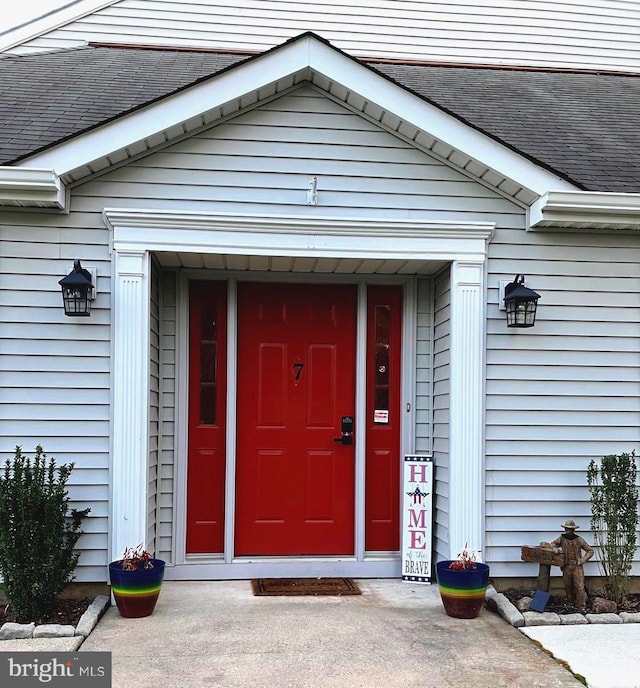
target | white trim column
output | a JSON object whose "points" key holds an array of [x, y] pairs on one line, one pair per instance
{"points": [[130, 453], [466, 431]]}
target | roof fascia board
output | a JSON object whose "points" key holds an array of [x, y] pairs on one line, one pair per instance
{"points": [[31, 187], [589, 209], [304, 52], [50, 21]]}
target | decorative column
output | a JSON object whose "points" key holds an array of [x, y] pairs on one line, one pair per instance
{"points": [[466, 442], [129, 461]]}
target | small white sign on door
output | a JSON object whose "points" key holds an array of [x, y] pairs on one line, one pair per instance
{"points": [[381, 416], [417, 515]]}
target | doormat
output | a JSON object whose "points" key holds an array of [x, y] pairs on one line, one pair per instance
{"points": [[304, 586]]}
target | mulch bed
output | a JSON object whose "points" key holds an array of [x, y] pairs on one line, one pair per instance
{"points": [[66, 612], [304, 586], [561, 605]]}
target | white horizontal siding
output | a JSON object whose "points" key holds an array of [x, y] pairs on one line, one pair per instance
{"points": [[590, 34], [168, 337], [424, 377], [441, 407], [557, 395], [562, 393], [263, 161], [54, 370]]}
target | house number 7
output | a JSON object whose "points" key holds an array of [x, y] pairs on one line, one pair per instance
{"points": [[298, 370]]}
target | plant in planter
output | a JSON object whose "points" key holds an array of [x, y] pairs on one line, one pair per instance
{"points": [[462, 584], [135, 582]]}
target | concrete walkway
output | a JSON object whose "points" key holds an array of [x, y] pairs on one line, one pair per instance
{"points": [[607, 655], [395, 635]]}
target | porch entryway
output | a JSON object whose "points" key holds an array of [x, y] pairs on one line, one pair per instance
{"points": [[355, 254]]}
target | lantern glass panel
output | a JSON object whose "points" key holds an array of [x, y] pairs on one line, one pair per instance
{"points": [[521, 313], [77, 300]]}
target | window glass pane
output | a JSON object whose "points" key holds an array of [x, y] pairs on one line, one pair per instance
{"points": [[207, 404], [383, 341], [208, 365]]}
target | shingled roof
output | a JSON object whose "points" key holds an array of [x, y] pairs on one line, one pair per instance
{"points": [[46, 98], [583, 126]]}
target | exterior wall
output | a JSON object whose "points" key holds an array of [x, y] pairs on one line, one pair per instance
{"points": [[561, 393], [424, 362], [54, 370], [164, 542], [441, 390], [261, 162], [590, 34], [557, 395]]}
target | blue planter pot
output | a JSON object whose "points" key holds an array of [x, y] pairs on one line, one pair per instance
{"points": [[136, 592], [462, 591]]}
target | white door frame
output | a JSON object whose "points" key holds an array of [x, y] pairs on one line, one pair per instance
{"points": [[137, 233]]}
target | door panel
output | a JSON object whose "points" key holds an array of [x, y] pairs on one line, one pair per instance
{"points": [[296, 379], [382, 483], [207, 418]]}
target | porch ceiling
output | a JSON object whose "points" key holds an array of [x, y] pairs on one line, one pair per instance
{"points": [[302, 265]]}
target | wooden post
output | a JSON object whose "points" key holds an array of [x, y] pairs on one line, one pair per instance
{"points": [[544, 577]]}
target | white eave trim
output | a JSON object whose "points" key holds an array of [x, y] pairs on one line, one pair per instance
{"points": [[31, 187], [292, 235], [293, 58], [591, 210]]}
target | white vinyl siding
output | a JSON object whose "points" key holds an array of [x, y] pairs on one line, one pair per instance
{"points": [[424, 377], [591, 34], [165, 525], [441, 391], [562, 393], [262, 162], [54, 370]]}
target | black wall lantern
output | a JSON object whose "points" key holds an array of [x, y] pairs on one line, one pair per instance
{"points": [[520, 303], [77, 291]]}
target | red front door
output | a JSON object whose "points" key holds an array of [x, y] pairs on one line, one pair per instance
{"points": [[296, 380], [207, 416]]}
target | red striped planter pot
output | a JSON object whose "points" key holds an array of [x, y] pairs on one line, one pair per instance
{"points": [[136, 592], [462, 591]]}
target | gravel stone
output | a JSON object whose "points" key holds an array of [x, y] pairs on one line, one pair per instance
{"points": [[601, 605], [501, 604], [630, 617], [573, 620], [604, 619], [54, 631], [91, 617], [16, 631], [523, 604], [541, 619]]}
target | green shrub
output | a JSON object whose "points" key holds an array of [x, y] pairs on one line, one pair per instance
{"points": [[614, 518], [37, 536]]}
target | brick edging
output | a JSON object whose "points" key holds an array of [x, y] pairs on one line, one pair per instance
{"points": [[499, 603], [86, 624]]}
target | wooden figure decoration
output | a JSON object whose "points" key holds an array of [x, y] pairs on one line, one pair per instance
{"points": [[570, 546]]}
